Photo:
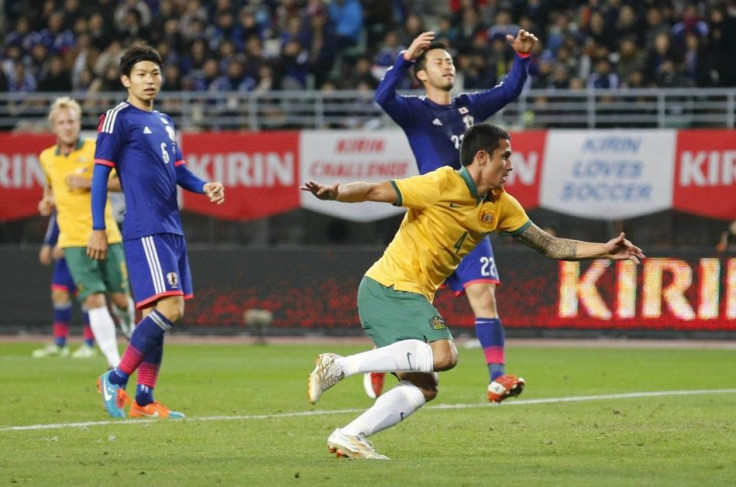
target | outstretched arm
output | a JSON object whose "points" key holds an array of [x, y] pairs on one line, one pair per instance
{"points": [[356, 192], [565, 249]]}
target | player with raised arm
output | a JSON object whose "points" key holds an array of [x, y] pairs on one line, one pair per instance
{"points": [[140, 143], [68, 167], [434, 125], [449, 212]]}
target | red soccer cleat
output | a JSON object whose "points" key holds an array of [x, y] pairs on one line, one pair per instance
{"points": [[505, 386], [373, 384]]}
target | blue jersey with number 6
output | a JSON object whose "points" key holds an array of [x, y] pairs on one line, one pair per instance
{"points": [[142, 147]]}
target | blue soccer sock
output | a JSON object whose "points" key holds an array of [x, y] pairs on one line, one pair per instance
{"points": [[89, 337], [491, 337], [62, 317]]}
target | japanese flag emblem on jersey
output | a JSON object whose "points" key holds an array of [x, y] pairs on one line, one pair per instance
{"points": [[173, 279], [463, 110]]}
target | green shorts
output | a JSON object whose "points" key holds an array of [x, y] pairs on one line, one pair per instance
{"points": [[95, 276], [389, 316]]}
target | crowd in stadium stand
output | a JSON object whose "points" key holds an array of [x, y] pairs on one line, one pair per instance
{"points": [[262, 45]]}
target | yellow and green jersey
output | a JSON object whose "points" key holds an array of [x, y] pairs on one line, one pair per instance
{"points": [[446, 218], [74, 207]]}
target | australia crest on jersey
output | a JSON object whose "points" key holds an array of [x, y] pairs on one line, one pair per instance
{"points": [[486, 217]]}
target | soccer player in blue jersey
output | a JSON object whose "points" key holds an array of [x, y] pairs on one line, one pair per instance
{"points": [[62, 290], [434, 125], [140, 143]]}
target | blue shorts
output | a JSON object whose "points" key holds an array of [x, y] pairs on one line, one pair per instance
{"points": [[479, 266], [62, 278], [158, 267]]}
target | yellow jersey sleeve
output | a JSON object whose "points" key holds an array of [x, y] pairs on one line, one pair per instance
{"points": [[512, 218], [423, 191]]}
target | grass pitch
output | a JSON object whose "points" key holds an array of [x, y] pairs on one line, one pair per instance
{"points": [[249, 422]]}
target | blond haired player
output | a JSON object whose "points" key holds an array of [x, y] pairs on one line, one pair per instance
{"points": [[68, 168]]}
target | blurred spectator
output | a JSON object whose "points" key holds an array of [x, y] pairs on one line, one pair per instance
{"points": [[656, 25], [204, 80], [560, 79], [56, 77], [691, 23], [468, 29], [21, 80], [668, 76], [292, 67], [100, 33], [347, 17], [503, 26], [604, 78], [140, 10], [630, 58], [193, 61], [360, 73], [661, 51], [55, 37], [387, 53], [21, 37], [173, 78]]}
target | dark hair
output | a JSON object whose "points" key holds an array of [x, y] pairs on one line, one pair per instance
{"points": [[137, 53], [421, 63], [483, 136]]}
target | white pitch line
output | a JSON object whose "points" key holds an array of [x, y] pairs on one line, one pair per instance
{"points": [[519, 402]]}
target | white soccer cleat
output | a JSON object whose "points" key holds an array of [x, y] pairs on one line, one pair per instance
{"points": [[326, 374], [352, 446], [51, 350], [84, 351]]}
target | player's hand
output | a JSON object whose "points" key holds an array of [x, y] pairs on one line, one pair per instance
{"points": [[44, 255], [97, 245], [215, 191], [57, 253], [524, 41], [321, 191], [621, 249], [75, 181], [45, 206], [419, 45]]}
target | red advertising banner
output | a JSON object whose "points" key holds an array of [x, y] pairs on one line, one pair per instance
{"points": [[21, 176], [260, 172], [527, 157], [705, 173], [681, 291]]}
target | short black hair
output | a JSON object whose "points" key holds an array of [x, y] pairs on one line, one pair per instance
{"points": [[483, 136], [137, 53], [421, 62]]}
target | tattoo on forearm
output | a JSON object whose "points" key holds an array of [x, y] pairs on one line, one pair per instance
{"points": [[544, 243]]}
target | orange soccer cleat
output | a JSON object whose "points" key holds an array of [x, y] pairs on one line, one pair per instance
{"points": [[154, 410]]}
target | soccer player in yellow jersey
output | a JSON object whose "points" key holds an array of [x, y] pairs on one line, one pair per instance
{"points": [[449, 212], [68, 168]]}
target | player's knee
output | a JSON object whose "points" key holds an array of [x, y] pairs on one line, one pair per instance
{"points": [[94, 301], [60, 297], [172, 308], [444, 355]]}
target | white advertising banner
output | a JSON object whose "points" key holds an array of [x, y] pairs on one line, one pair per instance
{"points": [[608, 174], [345, 156]]}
